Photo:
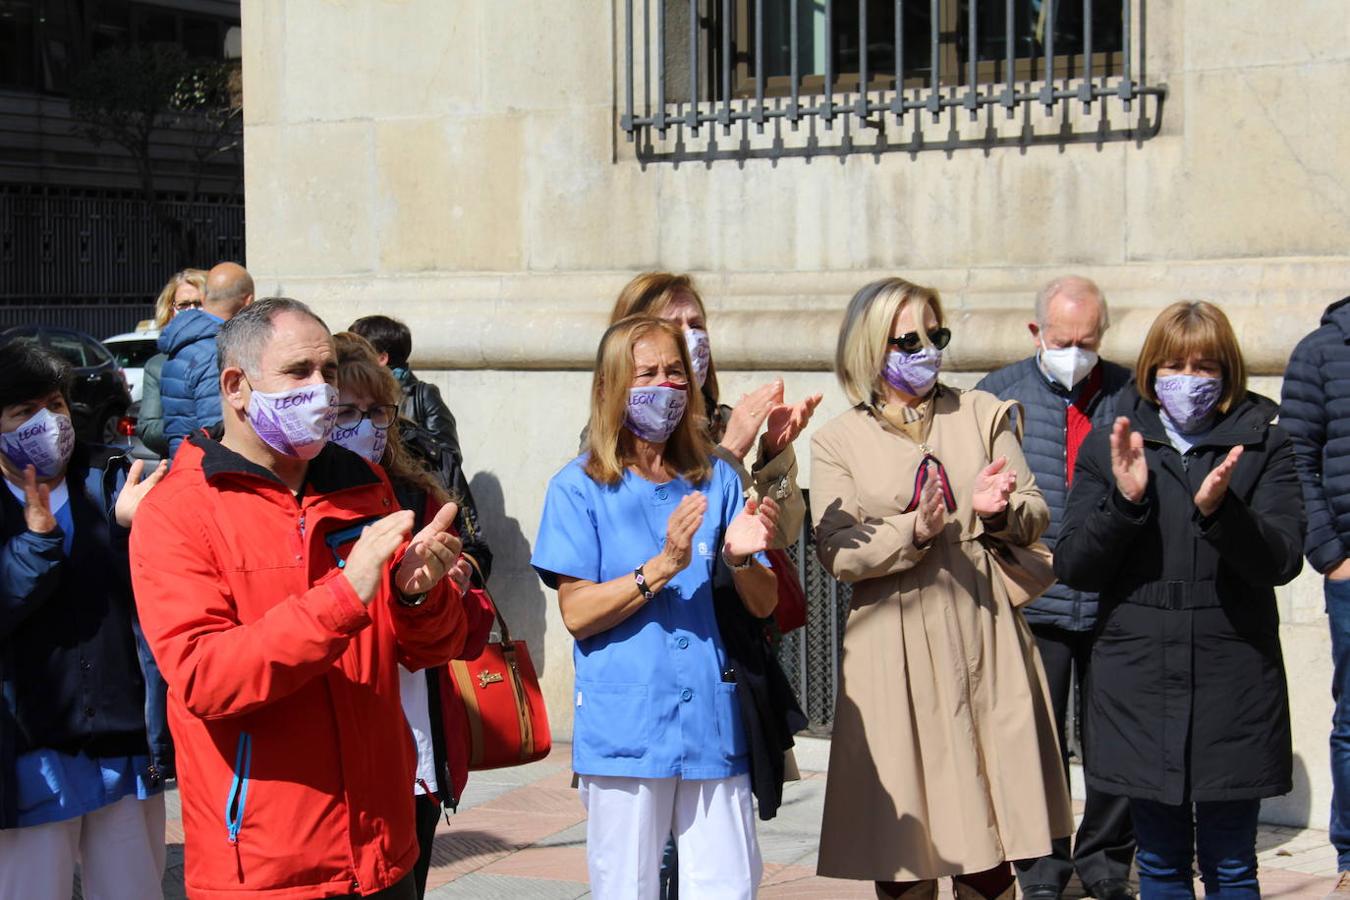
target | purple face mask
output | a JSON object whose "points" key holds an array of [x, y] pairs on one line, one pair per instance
{"points": [[44, 442], [655, 411], [1188, 400], [295, 422], [914, 373]]}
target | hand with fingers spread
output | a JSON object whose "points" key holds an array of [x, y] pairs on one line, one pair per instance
{"points": [[750, 532], [1215, 486], [37, 509], [680, 527], [749, 415], [369, 557], [993, 487], [135, 489], [433, 552], [1128, 463], [932, 512], [786, 422]]}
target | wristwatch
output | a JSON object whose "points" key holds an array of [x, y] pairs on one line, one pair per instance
{"points": [[743, 564], [414, 600]]}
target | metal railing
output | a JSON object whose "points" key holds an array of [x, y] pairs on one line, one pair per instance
{"points": [[810, 656], [675, 98], [70, 244]]}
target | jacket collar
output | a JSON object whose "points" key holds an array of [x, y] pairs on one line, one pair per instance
{"points": [[334, 469]]}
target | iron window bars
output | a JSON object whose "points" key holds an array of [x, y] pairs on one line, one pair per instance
{"points": [[736, 63]]}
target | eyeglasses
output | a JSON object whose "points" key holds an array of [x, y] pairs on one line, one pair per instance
{"points": [[187, 304], [381, 416], [910, 343]]}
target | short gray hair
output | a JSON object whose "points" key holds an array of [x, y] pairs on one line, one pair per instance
{"points": [[242, 338], [1075, 287]]}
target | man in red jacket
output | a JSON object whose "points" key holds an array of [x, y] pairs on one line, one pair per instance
{"points": [[279, 590]]}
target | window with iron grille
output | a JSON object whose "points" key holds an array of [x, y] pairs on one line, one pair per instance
{"points": [[695, 70]]}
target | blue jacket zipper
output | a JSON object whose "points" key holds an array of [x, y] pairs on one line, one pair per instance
{"points": [[238, 796]]}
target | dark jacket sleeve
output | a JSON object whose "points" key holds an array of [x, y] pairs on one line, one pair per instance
{"points": [[435, 416], [150, 419], [1099, 523], [1303, 415], [30, 568], [471, 529], [1263, 541]]}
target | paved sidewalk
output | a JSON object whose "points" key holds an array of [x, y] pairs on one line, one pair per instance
{"points": [[521, 834]]}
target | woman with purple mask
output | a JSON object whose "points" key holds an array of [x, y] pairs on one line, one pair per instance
{"points": [[944, 760], [1185, 517], [635, 533]]}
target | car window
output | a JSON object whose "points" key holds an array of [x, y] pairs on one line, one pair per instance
{"points": [[95, 353], [69, 348], [133, 354]]}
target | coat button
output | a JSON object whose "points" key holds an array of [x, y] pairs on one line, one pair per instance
{"points": [[683, 643], [89, 712], [86, 665], [686, 695]]}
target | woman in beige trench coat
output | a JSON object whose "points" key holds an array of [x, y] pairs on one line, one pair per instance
{"points": [[944, 759]]}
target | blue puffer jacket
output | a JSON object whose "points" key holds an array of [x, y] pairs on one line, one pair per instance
{"points": [[1315, 411], [188, 387], [69, 668], [1043, 444]]}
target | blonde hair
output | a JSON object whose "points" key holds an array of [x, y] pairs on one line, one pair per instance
{"points": [[860, 354], [164, 311], [651, 294], [1187, 328], [608, 443], [360, 371]]}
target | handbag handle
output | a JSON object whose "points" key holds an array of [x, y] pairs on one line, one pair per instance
{"points": [[496, 610]]}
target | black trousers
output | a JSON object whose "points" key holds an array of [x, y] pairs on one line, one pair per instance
{"points": [[1104, 846], [428, 813]]}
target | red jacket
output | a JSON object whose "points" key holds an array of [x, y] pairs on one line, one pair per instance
{"points": [[294, 759]]}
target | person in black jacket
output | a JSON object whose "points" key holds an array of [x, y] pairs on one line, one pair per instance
{"points": [[435, 437], [1066, 390], [78, 781], [1314, 412], [1184, 517]]}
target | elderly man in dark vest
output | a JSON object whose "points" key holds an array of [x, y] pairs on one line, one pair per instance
{"points": [[1066, 390]]}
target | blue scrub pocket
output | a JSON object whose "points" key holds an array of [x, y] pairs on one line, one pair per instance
{"points": [[613, 721], [729, 721]]}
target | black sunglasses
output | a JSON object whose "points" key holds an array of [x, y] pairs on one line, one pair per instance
{"points": [[910, 343]]}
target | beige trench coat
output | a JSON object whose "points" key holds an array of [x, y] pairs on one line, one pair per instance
{"points": [[945, 756]]}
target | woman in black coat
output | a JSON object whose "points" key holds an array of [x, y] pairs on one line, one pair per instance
{"points": [[1184, 517]]}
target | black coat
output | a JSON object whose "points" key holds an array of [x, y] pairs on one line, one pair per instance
{"points": [[1187, 698], [769, 710]]}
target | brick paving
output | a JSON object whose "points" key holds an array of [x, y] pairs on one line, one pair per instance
{"points": [[521, 833]]}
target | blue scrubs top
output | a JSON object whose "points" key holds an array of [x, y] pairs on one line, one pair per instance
{"points": [[651, 700]]}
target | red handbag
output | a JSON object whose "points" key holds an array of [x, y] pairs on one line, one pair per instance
{"points": [[790, 613], [491, 706]]}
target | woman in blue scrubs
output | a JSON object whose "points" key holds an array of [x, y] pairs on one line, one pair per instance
{"points": [[634, 533]]}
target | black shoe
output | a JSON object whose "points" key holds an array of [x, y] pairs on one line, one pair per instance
{"points": [[1112, 889], [1040, 892]]}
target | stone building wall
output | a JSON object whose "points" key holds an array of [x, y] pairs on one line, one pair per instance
{"points": [[458, 164]]}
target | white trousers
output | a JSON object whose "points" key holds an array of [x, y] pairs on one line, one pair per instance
{"points": [[630, 819], [120, 850]]}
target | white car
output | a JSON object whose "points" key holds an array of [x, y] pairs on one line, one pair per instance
{"points": [[133, 350]]}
